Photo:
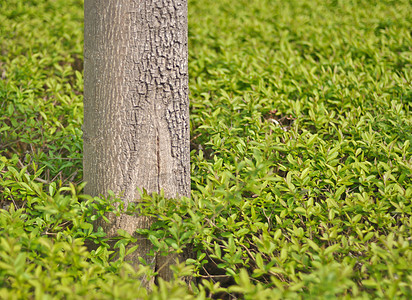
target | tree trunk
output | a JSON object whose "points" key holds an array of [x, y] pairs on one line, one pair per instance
{"points": [[136, 107]]}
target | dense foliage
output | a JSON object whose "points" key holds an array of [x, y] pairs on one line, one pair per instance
{"points": [[301, 157]]}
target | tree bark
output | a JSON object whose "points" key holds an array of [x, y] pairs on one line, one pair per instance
{"points": [[136, 107]]}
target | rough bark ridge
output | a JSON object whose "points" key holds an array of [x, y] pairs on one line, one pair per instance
{"points": [[136, 112]]}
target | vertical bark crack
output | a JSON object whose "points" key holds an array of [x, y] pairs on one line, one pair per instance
{"points": [[158, 159]]}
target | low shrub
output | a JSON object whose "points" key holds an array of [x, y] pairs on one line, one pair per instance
{"points": [[300, 151]]}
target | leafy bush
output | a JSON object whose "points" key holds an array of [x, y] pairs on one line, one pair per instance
{"points": [[301, 157]]}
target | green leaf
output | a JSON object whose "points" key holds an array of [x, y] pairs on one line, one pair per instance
{"points": [[217, 251], [331, 249]]}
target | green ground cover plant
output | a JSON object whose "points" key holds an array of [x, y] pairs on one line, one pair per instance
{"points": [[301, 136]]}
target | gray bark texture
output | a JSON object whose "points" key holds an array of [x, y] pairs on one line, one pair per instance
{"points": [[136, 107]]}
